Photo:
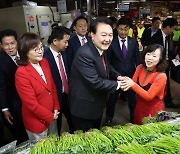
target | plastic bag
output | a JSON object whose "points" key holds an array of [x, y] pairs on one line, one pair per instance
{"points": [[8, 148]]}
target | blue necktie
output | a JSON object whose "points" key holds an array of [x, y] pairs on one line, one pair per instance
{"points": [[124, 50]]}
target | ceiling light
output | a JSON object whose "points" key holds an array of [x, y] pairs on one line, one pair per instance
{"points": [[110, 2]]}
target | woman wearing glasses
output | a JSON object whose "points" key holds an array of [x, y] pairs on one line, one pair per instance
{"points": [[36, 88]]}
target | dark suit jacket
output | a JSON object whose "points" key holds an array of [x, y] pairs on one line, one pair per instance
{"points": [[158, 39], [115, 56], [89, 83], [73, 46], [146, 37], [55, 72], [9, 97]]}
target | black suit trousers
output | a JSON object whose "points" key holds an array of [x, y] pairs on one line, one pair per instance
{"points": [[85, 124], [66, 111], [1, 131], [17, 129], [167, 98], [112, 103]]}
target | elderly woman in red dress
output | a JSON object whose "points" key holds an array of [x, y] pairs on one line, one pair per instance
{"points": [[149, 82]]}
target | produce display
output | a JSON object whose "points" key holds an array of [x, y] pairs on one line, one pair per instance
{"points": [[154, 138], [160, 116]]}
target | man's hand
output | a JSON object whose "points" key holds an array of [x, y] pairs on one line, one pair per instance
{"points": [[120, 78], [8, 117], [127, 83]]}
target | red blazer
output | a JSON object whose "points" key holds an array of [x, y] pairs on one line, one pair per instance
{"points": [[39, 99]]}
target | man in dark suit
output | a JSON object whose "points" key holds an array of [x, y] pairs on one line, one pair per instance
{"points": [[89, 81], [148, 33], [124, 61], [10, 102], [163, 37], [78, 38], [58, 43]]}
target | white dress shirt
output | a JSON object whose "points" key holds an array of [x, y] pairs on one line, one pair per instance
{"points": [[55, 54], [80, 39]]}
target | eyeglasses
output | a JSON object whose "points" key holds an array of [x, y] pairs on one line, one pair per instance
{"points": [[37, 50]]}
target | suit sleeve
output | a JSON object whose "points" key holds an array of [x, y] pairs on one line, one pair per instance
{"points": [[143, 38], [70, 55], [28, 96], [112, 72], [137, 55], [87, 68], [3, 90]]}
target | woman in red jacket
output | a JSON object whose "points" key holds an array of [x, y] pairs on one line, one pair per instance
{"points": [[36, 88], [148, 82]]}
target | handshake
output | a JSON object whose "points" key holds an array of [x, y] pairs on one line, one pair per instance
{"points": [[125, 82]]}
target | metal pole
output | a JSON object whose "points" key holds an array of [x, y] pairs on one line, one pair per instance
{"points": [[94, 5], [76, 5], [89, 10], [97, 7]]}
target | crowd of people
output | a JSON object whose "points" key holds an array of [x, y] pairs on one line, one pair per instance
{"points": [[82, 71]]}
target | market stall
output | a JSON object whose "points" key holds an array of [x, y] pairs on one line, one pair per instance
{"points": [[150, 138]]}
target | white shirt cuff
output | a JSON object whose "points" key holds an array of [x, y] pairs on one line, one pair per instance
{"points": [[119, 85], [5, 109]]}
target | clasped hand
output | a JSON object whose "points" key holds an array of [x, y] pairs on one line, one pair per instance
{"points": [[56, 113], [125, 82]]}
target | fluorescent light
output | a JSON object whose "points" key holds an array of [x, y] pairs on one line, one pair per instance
{"points": [[110, 2]]}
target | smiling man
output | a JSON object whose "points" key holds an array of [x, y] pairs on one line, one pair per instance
{"points": [[10, 103], [89, 81]]}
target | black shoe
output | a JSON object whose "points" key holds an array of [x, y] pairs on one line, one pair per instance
{"points": [[108, 123]]}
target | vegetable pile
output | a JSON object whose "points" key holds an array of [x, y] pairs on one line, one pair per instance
{"points": [[154, 138], [160, 116]]}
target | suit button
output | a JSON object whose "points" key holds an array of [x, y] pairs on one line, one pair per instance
{"points": [[49, 93]]}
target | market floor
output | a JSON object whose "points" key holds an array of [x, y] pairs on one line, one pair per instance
{"points": [[121, 116]]}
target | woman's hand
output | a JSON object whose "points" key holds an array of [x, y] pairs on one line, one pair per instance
{"points": [[127, 83], [56, 114]]}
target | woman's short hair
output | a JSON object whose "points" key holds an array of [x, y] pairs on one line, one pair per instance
{"points": [[25, 43], [162, 64]]}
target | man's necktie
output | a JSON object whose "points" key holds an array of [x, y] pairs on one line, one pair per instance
{"points": [[16, 59], [63, 76], [103, 61], [83, 41], [124, 50]]}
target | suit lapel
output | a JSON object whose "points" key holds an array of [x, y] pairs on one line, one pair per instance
{"points": [[98, 59], [32, 71], [53, 62], [46, 74], [129, 47], [118, 48], [11, 61], [77, 42]]}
